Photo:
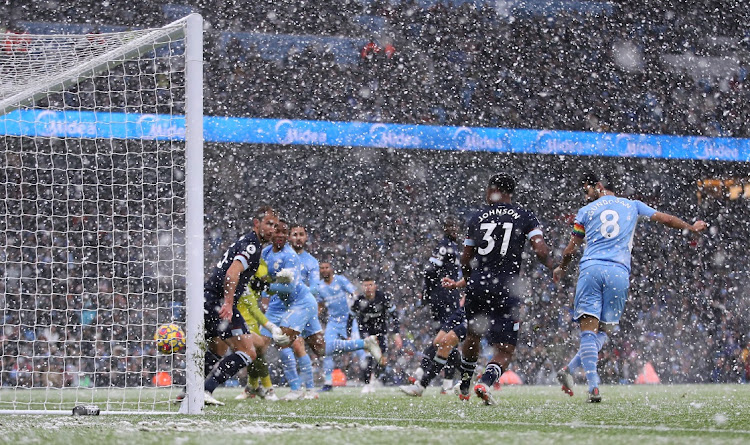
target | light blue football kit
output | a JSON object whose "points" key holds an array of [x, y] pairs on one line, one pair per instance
{"points": [[310, 271], [290, 305], [608, 226], [335, 296]]}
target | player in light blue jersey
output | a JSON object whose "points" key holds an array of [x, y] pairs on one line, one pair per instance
{"points": [[309, 270], [291, 306], [310, 266], [334, 297], [607, 225]]}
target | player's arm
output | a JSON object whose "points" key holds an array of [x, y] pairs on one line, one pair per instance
{"points": [[677, 223], [231, 280], [567, 257], [250, 300], [321, 309], [466, 256], [540, 248]]}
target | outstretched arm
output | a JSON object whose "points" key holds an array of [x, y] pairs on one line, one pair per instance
{"points": [[466, 256], [676, 223], [567, 257], [542, 250]]}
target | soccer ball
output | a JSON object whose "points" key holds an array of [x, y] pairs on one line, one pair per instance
{"points": [[170, 339]]}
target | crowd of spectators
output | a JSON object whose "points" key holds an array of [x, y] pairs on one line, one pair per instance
{"points": [[466, 64], [87, 282]]}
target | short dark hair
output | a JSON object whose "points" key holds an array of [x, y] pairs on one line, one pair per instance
{"points": [[589, 178], [283, 222], [503, 182]]}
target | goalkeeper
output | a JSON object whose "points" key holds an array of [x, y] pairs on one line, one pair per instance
{"points": [[254, 317]]}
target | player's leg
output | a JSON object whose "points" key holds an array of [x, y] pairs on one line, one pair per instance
{"points": [[244, 353], [286, 355], [445, 343], [476, 322], [373, 365], [312, 332], [258, 366], [614, 282], [355, 335], [450, 369], [456, 325], [332, 332], [503, 336], [296, 322], [587, 309], [236, 336], [304, 364]]}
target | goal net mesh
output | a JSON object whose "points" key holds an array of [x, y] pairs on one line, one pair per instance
{"points": [[92, 210]]}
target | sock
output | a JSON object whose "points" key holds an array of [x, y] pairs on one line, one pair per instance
{"points": [[289, 366], [601, 339], [432, 370], [211, 359], [451, 366], [589, 356], [492, 372], [367, 372], [328, 369], [266, 381], [427, 355], [252, 382], [261, 367], [339, 346], [467, 372], [227, 367], [306, 371]]}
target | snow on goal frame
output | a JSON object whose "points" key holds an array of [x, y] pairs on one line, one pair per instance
{"points": [[102, 219]]}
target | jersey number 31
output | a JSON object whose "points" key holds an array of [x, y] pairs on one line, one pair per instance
{"points": [[489, 228]]}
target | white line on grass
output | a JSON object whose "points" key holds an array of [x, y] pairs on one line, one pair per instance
{"points": [[572, 425]]}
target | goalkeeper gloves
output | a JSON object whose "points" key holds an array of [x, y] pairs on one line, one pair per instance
{"points": [[278, 335]]}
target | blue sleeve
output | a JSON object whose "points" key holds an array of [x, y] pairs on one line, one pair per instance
{"points": [[581, 217], [644, 210], [282, 288], [348, 286], [315, 279]]}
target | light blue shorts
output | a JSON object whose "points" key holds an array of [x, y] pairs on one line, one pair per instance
{"points": [[336, 330], [300, 316], [601, 292]]}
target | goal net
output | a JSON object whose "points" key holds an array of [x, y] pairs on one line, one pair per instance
{"points": [[101, 211]]}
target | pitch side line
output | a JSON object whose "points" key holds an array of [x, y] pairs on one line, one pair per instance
{"points": [[499, 422]]}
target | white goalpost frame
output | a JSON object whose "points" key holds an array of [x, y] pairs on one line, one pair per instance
{"points": [[193, 402], [192, 32]]}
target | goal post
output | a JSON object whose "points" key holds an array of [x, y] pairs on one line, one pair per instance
{"points": [[102, 218]]}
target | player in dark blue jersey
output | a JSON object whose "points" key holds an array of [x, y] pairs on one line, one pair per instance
{"points": [[491, 262], [447, 313], [224, 325], [376, 315], [607, 225]]}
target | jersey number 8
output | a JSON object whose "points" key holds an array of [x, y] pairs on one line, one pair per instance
{"points": [[609, 228]]}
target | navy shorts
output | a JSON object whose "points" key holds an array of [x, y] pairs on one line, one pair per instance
{"points": [[216, 327], [456, 323], [497, 318]]}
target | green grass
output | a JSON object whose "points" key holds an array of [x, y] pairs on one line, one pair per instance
{"points": [[704, 414]]}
